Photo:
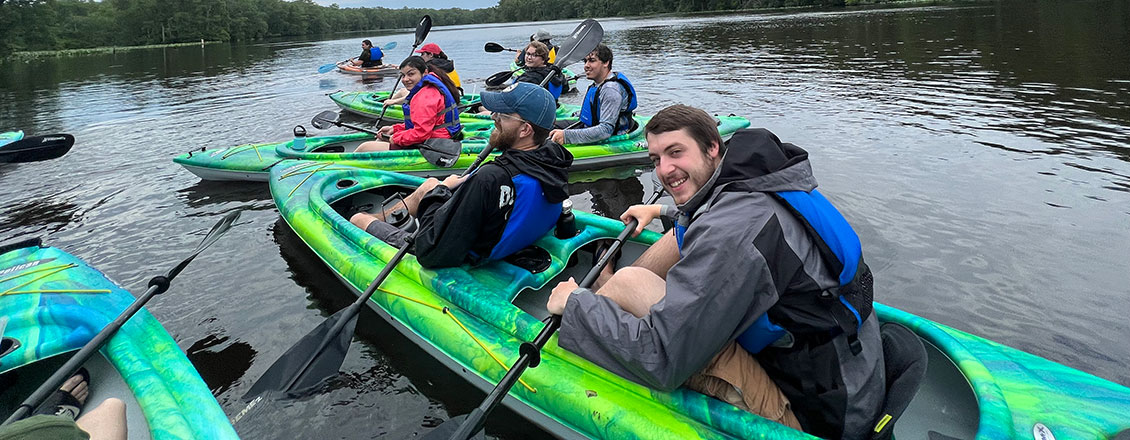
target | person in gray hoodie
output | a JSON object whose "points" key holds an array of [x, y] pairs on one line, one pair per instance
{"points": [[759, 262]]}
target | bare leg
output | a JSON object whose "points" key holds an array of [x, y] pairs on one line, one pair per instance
{"points": [[658, 258], [662, 254], [107, 421], [397, 98], [412, 203], [372, 146], [635, 289]]}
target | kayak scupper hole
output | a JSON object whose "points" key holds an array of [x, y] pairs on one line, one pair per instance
{"points": [[8, 345], [345, 183]]}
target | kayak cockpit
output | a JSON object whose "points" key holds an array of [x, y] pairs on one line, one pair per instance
{"points": [[105, 382]]}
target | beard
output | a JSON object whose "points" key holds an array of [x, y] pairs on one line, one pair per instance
{"points": [[502, 139]]}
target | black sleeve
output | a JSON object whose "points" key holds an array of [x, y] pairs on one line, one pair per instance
{"points": [[453, 224], [530, 76], [365, 56]]}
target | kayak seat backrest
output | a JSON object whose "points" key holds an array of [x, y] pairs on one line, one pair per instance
{"points": [[531, 258], [904, 360]]}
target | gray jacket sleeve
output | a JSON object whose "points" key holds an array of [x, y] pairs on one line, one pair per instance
{"points": [[611, 99], [710, 297]]}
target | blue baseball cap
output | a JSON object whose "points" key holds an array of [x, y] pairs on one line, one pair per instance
{"points": [[530, 101]]}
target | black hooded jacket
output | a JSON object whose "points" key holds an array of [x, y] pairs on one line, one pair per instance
{"points": [[459, 225]]}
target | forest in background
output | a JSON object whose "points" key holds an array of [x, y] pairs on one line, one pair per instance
{"points": [[46, 25]]}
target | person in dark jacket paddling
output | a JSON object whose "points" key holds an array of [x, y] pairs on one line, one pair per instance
{"points": [[758, 262], [502, 207], [371, 56], [538, 67]]}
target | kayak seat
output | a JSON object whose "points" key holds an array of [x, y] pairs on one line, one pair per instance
{"points": [[532, 258], [904, 360]]}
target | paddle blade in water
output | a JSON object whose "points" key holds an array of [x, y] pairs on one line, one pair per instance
{"points": [[316, 357], [324, 119], [448, 428], [36, 148]]}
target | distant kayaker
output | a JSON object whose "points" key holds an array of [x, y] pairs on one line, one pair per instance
{"points": [[502, 207], [758, 262], [537, 68], [607, 106], [430, 110], [371, 56], [542, 36], [436, 58]]}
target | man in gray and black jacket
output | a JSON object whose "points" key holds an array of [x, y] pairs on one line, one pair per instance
{"points": [[759, 262]]}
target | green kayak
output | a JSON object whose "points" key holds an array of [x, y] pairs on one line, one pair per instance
{"points": [[254, 161], [369, 105], [55, 303], [473, 320]]}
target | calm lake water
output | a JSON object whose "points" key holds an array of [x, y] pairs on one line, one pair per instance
{"points": [[982, 152]]}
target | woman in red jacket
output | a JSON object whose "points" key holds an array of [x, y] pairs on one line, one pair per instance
{"points": [[431, 107]]}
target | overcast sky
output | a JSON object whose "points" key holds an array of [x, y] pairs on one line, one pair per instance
{"points": [[397, 4]]}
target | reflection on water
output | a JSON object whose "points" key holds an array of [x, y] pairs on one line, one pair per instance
{"points": [[982, 152]]}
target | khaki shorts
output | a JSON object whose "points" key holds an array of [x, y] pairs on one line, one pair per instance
{"points": [[735, 377]]}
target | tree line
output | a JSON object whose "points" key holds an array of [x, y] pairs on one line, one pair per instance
{"points": [[45, 25]]}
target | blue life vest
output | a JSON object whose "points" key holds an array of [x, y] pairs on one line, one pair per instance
{"points": [[529, 219], [450, 111], [590, 108], [839, 246], [375, 55], [555, 89]]}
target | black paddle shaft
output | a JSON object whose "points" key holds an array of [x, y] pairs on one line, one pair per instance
{"points": [[157, 285], [422, 30], [307, 363], [531, 351]]}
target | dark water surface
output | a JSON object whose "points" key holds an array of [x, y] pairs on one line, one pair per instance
{"points": [[981, 151]]}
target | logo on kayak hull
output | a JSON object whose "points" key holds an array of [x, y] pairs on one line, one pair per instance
{"points": [[1041, 432]]}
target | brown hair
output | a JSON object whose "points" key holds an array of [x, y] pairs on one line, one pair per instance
{"points": [[540, 133], [540, 49], [699, 125]]}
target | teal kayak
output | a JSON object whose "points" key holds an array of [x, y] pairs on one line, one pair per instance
{"points": [[255, 161], [474, 319], [55, 303], [10, 136], [369, 105]]}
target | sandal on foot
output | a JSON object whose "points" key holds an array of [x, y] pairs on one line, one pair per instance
{"points": [[62, 402]]}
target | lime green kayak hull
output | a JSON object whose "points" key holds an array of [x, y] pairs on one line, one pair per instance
{"points": [[253, 162], [368, 104]]}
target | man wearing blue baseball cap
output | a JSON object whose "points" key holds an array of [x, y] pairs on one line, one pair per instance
{"points": [[502, 207]]}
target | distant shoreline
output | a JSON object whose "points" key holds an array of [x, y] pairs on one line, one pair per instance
{"points": [[28, 55]]}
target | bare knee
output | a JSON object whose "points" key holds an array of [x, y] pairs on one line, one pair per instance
{"points": [[634, 289], [362, 220]]}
